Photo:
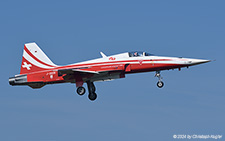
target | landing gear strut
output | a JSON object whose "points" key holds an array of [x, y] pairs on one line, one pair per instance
{"points": [[91, 89], [160, 84]]}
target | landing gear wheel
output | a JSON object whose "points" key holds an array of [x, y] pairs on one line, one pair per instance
{"points": [[81, 90], [160, 84], [92, 96], [91, 89]]}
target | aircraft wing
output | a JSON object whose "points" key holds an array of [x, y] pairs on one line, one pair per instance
{"points": [[71, 71], [109, 73], [83, 71]]}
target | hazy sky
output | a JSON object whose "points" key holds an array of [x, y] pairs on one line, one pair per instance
{"points": [[134, 108]]}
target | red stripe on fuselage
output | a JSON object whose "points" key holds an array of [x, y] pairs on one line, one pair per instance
{"points": [[99, 65], [25, 48], [108, 63]]}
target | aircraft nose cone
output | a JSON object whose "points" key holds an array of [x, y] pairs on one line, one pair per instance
{"points": [[197, 61]]}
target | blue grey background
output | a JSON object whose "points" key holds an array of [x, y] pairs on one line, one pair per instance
{"points": [[192, 101]]}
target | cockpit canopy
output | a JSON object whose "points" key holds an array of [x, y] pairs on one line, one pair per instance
{"points": [[139, 54]]}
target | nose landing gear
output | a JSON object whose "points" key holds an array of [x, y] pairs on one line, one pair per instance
{"points": [[160, 84]]}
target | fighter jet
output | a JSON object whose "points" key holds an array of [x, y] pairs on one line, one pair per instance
{"points": [[37, 70]]}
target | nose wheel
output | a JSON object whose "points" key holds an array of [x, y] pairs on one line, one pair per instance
{"points": [[160, 84]]}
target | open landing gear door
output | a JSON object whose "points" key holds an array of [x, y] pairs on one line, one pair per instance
{"points": [[127, 67]]}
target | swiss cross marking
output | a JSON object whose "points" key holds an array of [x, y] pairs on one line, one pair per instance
{"points": [[27, 66]]}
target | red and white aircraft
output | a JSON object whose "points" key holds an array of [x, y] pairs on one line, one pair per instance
{"points": [[37, 69]]}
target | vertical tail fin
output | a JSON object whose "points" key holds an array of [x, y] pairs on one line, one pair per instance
{"points": [[34, 59]]}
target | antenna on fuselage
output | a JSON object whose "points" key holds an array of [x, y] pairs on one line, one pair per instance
{"points": [[103, 55]]}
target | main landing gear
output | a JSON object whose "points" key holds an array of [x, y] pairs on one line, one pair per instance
{"points": [[160, 84], [91, 89], [81, 90]]}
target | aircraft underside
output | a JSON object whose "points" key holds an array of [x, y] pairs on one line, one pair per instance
{"points": [[89, 80]]}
